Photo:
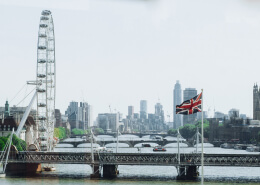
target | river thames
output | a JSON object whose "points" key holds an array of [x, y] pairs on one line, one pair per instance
{"points": [[134, 175]]}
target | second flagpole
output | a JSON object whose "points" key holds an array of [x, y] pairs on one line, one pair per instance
{"points": [[202, 140]]}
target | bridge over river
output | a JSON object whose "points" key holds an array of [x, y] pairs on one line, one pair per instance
{"points": [[131, 143], [186, 164]]}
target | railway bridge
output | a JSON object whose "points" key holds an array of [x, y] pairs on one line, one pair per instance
{"points": [[186, 164]]}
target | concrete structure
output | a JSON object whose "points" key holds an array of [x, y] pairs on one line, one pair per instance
{"points": [[177, 100], [143, 109], [189, 93]]}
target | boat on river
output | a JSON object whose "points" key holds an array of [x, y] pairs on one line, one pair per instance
{"points": [[103, 150], [253, 149], [241, 146], [227, 145], [159, 148]]}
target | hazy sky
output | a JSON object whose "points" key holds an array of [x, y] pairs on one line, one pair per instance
{"points": [[117, 52]]}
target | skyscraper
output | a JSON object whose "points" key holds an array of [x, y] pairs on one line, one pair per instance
{"points": [[159, 118], [189, 93], [256, 102], [130, 112], [143, 109], [177, 100], [80, 116]]}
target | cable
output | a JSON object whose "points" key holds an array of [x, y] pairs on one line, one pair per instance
{"points": [[17, 93], [26, 96]]}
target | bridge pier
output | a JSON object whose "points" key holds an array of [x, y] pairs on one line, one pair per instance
{"points": [[23, 169], [96, 172], [27, 169], [110, 171], [188, 173]]}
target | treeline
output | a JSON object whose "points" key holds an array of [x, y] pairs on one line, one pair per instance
{"points": [[19, 143], [61, 132], [189, 130], [76, 131]]}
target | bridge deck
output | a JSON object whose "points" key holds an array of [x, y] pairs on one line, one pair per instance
{"points": [[163, 159]]}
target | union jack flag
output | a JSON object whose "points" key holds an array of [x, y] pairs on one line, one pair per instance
{"points": [[190, 106]]}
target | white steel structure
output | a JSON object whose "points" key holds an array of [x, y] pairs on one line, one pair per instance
{"points": [[45, 81]]}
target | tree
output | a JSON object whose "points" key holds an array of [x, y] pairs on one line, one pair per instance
{"points": [[205, 127], [19, 143], [2, 144], [172, 131], [76, 131], [60, 132], [99, 131], [188, 131]]}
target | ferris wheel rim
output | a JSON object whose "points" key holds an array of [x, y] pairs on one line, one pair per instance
{"points": [[46, 75]]}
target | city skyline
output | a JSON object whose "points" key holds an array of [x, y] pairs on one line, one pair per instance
{"points": [[112, 56]]}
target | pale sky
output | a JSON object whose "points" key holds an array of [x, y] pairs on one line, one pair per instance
{"points": [[118, 52]]}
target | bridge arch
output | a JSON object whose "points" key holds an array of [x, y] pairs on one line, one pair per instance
{"points": [[120, 145], [153, 144]]}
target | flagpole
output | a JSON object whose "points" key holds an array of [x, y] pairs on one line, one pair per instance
{"points": [[202, 139]]}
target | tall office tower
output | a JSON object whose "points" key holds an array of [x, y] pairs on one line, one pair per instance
{"points": [[159, 117], [80, 117], [158, 109], [143, 109], [72, 113], [58, 121], [90, 116], [189, 93], [256, 102], [130, 112], [177, 100]]}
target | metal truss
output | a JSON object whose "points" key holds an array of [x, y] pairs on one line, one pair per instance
{"points": [[165, 159]]}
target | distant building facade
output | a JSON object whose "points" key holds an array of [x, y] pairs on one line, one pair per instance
{"points": [[109, 122], [143, 109], [189, 93], [177, 100], [199, 115], [131, 111], [219, 115]]}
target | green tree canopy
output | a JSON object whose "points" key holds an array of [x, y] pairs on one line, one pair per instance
{"points": [[60, 132], [99, 131], [188, 131], [172, 131]]}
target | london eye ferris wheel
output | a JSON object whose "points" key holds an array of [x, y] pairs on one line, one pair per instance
{"points": [[46, 82]]}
